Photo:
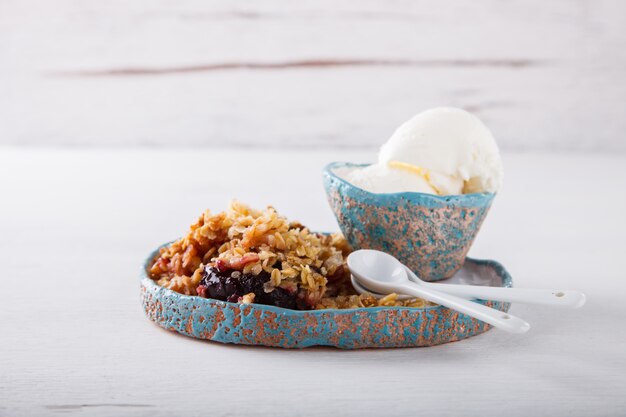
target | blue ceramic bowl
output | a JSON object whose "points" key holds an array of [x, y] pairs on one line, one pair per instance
{"points": [[377, 327], [430, 234]]}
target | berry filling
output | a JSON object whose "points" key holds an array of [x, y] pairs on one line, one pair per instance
{"points": [[231, 285]]}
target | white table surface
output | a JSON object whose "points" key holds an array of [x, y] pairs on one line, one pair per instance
{"points": [[76, 225]]}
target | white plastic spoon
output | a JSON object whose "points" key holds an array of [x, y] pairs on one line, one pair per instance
{"points": [[555, 298], [385, 274]]}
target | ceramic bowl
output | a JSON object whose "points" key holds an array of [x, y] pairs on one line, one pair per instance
{"points": [[430, 234], [377, 327]]}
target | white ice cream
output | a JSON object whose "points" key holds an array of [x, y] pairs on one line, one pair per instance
{"points": [[441, 151], [376, 178]]}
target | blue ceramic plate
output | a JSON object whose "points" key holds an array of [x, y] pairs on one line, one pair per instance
{"points": [[375, 327]]}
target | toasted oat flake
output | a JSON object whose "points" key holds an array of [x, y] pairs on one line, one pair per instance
{"points": [[248, 298]]}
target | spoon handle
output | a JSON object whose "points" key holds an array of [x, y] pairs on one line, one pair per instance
{"points": [[556, 298], [481, 312]]}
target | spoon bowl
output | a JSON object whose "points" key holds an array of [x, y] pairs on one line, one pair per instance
{"points": [[381, 265]]}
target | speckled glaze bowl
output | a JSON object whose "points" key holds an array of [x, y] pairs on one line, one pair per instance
{"points": [[378, 327], [430, 234]]}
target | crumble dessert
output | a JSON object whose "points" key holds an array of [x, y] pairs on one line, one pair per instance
{"points": [[257, 256]]}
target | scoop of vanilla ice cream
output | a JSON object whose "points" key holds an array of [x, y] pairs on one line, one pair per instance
{"points": [[456, 149], [384, 179], [442, 151]]}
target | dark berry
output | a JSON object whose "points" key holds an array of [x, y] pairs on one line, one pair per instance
{"points": [[277, 297], [282, 298], [220, 285], [254, 283], [230, 285]]}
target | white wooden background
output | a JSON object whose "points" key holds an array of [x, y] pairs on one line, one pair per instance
{"points": [[544, 75]]}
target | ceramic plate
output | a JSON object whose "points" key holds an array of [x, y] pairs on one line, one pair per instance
{"points": [[375, 327]]}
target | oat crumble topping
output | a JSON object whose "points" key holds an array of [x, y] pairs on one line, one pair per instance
{"points": [[257, 256]]}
